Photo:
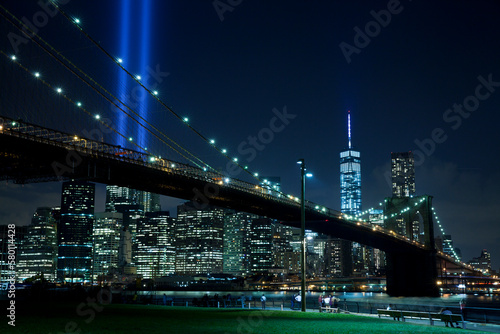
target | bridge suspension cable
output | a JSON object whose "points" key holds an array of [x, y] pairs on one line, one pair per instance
{"points": [[51, 51], [117, 61], [443, 233]]}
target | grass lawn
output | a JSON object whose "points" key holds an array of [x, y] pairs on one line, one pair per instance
{"points": [[69, 318]]}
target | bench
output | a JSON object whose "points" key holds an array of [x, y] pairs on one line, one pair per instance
{"points": [[423, 315]]}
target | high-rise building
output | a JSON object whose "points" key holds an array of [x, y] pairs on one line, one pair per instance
{"points": [[74, 233], [155, 245], [350, 203], [403, 174], [236, 253], [285, 257], [199, 234], [350, 178], [133, 204], [120, 199], [11, 237], [37, 256], [483, 262], [106, 239], [261, 245]]}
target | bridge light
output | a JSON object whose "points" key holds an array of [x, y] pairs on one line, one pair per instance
{"points": [[204, 169], [36, 74], [152, 159], [130, 138], [235, 159], [59, 90], [97, 116], [1, 127], [155, 92], [77, 21], [212, 141], [138, 77], [246, 167], [256, 174], [226, 180], [78, 104], [75, 138], [224, 151], [119, 60], [185, 119]]}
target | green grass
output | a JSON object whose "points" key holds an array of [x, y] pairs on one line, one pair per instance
{"points": [[65, 318]]}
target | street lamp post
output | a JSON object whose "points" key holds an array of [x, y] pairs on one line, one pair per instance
{"points": [[303, 233]]}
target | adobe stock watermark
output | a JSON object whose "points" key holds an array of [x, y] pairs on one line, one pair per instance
{"points": [[31, 26], [11, 265], [372, 29], [74, 158], [223, 6], [138, 94], [248, 149], [454, 118], [88, 309], [254, 320]]}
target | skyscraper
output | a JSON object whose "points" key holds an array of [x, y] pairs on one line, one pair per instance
{"points": [[350, 203], [38, 252], [199, 234], [350, 177], [74, 262], [261, 245], [106, 238], [155, 255], [237, 242], [120, 199], [403, 174]]}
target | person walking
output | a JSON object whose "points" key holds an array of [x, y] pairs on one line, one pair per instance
{"points": [[292, 301], [263, 300], [298, 299], [462, 308]]}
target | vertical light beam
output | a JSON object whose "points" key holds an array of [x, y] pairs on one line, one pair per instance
{"points": [[124, 53], [145, 46]]}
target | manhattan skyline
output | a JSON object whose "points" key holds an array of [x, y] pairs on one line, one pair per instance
{"points": [[411, 87]]}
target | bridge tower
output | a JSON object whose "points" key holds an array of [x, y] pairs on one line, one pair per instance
{"points": [[411, 273]]}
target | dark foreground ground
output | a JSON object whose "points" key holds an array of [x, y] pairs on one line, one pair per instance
{"points": [[94, 317]]}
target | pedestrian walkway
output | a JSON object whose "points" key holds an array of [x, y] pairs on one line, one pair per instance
{"points": [[492, 328]]}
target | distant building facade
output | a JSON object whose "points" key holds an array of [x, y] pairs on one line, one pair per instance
{"points": [[236, 249], [37, 255], [74, 262], [106, 240], [199, 239], [403, 174], [156, 245]]}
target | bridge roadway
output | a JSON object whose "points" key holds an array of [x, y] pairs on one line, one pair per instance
{"points": [[30, 153]]}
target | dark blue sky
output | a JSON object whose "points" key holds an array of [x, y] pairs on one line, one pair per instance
{"points": [[402, 85]]}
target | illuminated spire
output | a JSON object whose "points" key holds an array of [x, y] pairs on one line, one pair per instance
{"points": [[349, 127]]}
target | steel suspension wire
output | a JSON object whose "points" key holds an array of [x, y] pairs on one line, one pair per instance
{"points": [[98, 45], [102, 88], [70, 100]]}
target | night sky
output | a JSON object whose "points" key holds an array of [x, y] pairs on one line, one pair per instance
{"points": [[420, 76]]}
